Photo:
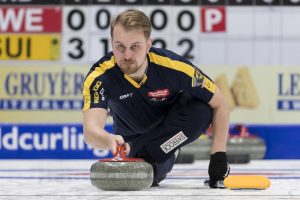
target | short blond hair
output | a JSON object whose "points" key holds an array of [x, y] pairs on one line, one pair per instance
{"points": [[132, 19]]}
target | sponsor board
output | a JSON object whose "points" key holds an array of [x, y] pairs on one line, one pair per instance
{"points": [[37, 141], [30, 47], [41, 94], [261, 94], [53, 94]]}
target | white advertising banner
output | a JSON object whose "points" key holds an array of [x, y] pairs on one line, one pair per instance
{"points": [[41, 94], [260, 95]]}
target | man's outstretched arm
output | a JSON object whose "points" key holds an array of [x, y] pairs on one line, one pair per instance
{"points": [[220, 122], [94, 133], [218, 168]]}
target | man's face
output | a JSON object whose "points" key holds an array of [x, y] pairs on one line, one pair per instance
{"points": [[130, 49]]}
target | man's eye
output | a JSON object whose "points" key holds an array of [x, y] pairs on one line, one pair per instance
{"points": [[135, 46], [120, 47]]}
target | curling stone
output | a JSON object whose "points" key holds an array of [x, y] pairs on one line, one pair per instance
{"points": [[185, 158], [238, 158], [120, 173], [241, 148]]}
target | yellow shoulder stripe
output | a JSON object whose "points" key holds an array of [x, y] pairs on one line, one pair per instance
{"points": [[209, 85], [90, 79], [182, 67], [172, 64]]}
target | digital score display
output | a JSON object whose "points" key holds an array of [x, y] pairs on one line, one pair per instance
{"points": [[80, 29]]}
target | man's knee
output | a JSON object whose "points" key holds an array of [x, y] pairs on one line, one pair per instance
{"points": [[198, 118], [188, 125]]}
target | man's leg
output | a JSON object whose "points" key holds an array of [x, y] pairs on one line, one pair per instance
{"points": [[182, 129], [184, 123], [160, 170]]}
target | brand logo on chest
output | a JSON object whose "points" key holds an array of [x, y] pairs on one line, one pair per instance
{"points": [[129, 95], [159, 95]]}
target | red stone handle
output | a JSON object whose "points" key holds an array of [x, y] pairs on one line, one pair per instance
{"points": [[120, 156], [120, 153]]}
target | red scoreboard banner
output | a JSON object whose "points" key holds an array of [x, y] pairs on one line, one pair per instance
{"points": [[30, 19]]}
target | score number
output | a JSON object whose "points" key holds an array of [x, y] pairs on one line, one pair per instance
{"points": [[87, 31]]}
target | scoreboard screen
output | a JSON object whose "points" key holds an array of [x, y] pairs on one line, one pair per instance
{"points": [[204, 31]]}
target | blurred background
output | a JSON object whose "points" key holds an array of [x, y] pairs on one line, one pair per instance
{"points": [[250, 48]]}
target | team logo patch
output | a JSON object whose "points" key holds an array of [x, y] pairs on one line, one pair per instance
{"points": [[202, 81], [159, 95], [173, 142], [198, 78]]}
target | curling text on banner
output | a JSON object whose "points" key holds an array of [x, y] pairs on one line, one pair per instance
{"points": [[35, 141]]}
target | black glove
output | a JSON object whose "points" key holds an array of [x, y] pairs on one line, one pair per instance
{"points": [[218, 169]]}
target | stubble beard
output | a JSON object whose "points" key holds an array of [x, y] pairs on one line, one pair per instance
{"points": [[131, 67]]}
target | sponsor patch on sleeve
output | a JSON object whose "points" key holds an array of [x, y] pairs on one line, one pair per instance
{"points": [[200, 80], [87, 102], [173, 142], [98, 92], [209, 85]]}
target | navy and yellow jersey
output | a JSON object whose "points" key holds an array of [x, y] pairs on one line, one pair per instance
{"points": [[137, 107]]}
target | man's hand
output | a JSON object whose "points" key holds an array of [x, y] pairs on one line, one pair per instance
{"points": [[118, 140], [218, 169]]}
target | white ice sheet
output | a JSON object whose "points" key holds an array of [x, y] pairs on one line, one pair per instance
{"points": [[69, 179]]}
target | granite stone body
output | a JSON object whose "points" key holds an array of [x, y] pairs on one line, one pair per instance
{"points": [[121, 176]]}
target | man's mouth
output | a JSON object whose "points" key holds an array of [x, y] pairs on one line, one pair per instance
{"points": [[128, 63]]}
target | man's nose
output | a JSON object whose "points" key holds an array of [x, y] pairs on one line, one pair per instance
{"points": [[127, 54]]}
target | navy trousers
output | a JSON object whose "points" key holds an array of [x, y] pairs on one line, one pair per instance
{"points": [[187, 119]]}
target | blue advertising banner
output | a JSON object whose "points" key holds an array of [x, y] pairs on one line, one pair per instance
{"points": [[37, 141], [65, 141]]}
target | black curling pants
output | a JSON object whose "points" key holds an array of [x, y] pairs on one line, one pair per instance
{"points": [[187, 119]]}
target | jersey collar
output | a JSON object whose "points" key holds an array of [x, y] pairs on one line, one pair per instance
{"points": [[134, 83]]}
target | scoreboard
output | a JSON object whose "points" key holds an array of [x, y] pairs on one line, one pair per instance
{"points": [[78, 31]]}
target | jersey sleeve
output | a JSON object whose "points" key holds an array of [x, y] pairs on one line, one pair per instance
{"points": [[185, 76], [94, 93], [200, 85]]}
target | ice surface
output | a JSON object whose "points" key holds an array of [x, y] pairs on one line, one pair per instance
{"points": [[69, 179]]}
